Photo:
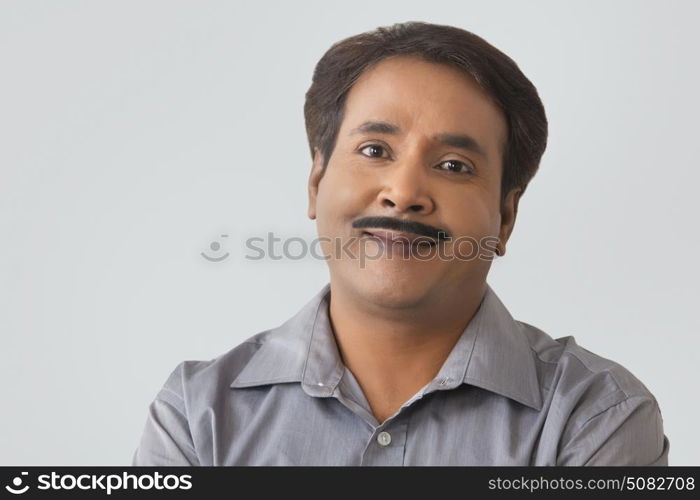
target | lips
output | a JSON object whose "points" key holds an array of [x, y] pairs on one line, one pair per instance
{"points": [[399, 237]]}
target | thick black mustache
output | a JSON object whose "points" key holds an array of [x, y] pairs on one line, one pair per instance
{"points": [[406, 226]]}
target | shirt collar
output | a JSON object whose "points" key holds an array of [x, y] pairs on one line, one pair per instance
{"points": [[492, 353]]}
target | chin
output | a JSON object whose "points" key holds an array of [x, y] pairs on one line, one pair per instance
{"points": [[391, 291]]}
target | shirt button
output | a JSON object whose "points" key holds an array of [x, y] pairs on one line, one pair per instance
{"points": [[384, 438]]}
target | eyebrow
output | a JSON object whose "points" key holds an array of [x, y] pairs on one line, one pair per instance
{"points": [[461, 141]]}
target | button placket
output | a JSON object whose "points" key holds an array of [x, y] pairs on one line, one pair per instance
{"points": [[387, 445]]}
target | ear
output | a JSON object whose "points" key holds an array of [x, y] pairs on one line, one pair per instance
{"points": [[509, 212], [314, 180]]}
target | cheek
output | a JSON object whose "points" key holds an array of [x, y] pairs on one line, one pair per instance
{"points": [[471, 219], [342, 197], [474, 216]]}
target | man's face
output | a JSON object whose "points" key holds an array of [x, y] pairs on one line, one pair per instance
{"points": [[409, 174]]}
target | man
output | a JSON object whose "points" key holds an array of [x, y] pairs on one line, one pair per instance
{"points": [[423, 138]]}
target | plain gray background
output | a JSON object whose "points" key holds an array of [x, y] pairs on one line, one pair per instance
{"points": [[134, 134]]}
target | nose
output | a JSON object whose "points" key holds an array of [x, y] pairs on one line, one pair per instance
{"points": [[405, 190]]}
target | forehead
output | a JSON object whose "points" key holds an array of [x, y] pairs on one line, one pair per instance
{"points": [[424, 97]]}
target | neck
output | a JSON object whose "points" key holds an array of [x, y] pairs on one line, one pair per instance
{"points": [[397, 351]]}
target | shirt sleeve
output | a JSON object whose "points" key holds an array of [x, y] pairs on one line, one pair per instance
{"points": [[628, 433], [166, 438]]}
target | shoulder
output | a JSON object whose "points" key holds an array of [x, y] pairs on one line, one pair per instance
{"points": [[571, 373], [195, 380], [601, 413]]}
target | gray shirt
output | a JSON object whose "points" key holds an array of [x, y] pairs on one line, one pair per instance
{"points": [[507, 394]]}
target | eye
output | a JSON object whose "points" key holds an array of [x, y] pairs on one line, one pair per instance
{"points": [[375, 148], [457, 167]]}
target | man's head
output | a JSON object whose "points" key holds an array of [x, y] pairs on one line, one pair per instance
{"points": [[422, 128]]}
